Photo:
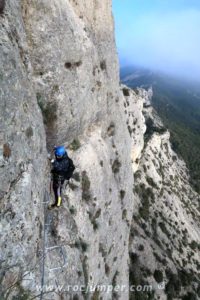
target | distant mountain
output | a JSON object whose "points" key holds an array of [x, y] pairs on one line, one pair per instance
{"points": [[178, 104]]}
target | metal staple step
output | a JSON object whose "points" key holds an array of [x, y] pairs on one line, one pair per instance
{"points": [[47, 222]]}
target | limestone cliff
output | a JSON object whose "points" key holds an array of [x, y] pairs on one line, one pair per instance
{"points": [[165, 232], [22, 153], [75, 68], [59, 84], [60, 60]]}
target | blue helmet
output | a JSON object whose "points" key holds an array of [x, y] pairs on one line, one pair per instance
{"points": [[59, 151]]}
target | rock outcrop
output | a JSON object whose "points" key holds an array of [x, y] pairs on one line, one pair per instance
{"points": [[59, 84]]}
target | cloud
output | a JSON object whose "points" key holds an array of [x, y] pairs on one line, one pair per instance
{"points": [[170, 42]]}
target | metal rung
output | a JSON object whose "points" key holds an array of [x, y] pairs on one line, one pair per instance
{"points": [[63, 255], [53, 247], [48, 218], [58, 268], [53, 269]]}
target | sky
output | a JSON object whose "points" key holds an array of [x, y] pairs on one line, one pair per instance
{"points": [[159, 34]]}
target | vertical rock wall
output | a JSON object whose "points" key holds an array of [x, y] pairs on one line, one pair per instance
{"points": [[22, 154], [74, 61], [61, 61]]}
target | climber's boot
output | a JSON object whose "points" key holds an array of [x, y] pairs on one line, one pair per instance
{"points": [[51, 206]]}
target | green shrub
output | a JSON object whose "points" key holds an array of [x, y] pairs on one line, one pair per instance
{"points": [[158, 275], [151, 182], [19, 292], [173, 286], [124, 214], [145, 168], [55, 88], [49, 110], [194, 245], [96, 295], [6, 151], [85, 268], [144, 211], [84, 246], [122, 194], [130, 130], [29, 132], [145, 195], [72, 186], [107, 269], [163, 228], [93, 219], [103, 65], [95, 224], [49, 113], [80, 244], [146, 272], [116, 166], [126, 92], [85, 182], [2, 6], [78, 63], [75, 145], [68, 65], [73, 210], [40, 100], [102, 250], [111, 129], [114, 283], [186, 277], [77, 244], [136, 91], [136, 278], [76, 176], [137, 175], [98, 213], [190, 296]]}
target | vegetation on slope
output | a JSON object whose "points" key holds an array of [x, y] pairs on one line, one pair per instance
{"points": [[178, 104]]}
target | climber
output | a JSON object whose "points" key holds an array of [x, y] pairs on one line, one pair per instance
{"points": [[62, 169]]}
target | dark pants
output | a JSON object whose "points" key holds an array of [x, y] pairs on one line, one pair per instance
{"points": [[56, 184]]}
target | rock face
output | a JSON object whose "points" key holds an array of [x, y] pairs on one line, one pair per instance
{"points": [[165, 231], [59, 84], [22, 153], [63, 55], [75, 68]]}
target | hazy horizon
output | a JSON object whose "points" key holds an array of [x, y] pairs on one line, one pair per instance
{"points": [[158, 36]]}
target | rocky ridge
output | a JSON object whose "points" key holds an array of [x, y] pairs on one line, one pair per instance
{"points": [[164, 239]]}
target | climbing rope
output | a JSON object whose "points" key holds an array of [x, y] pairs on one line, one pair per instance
{"points": [[46, 201]]}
